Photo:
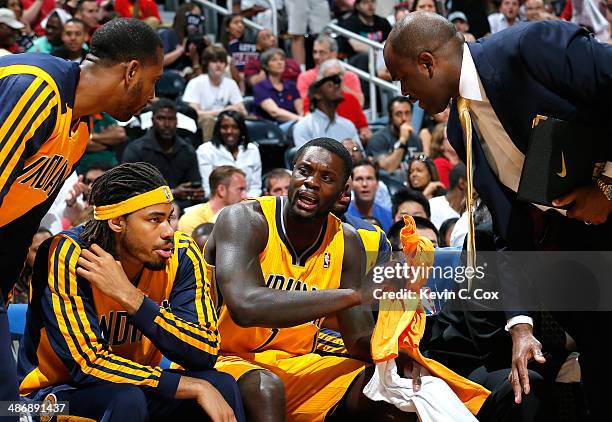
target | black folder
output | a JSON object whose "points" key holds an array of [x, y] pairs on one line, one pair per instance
{"points": [[560, 157]]}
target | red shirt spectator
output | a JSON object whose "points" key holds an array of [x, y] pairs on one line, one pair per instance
{"points": [[146, 9]]}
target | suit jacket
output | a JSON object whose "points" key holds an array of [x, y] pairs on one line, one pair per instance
{"points": [[551, 68]]}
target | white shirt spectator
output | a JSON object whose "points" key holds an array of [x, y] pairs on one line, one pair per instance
{"points": [[317, 125], [210, 97], [441, 210], [247, 160], [498, 22]]}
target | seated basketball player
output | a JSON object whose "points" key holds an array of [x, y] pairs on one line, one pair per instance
{"points": [[300, 264], [110, 297]]}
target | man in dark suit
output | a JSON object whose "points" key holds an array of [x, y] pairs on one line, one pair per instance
{"points": [[549, 68]]}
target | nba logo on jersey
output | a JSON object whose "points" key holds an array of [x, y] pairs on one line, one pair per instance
{"points": [[326, 260]]}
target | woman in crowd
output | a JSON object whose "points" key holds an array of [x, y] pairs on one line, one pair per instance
{"points": [[426, 6], [235, 42], [231, 145], [274, 98], [423, 176], [213, 92], [21, 291], [442, 153], [185, 41]]}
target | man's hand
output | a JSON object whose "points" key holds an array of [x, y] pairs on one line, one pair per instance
{"points": [[185, 191], [590, 205], [405, 131], [100, 268], [77, 189], [524, 347], [213, 403], [431, 188], [408, 368]]}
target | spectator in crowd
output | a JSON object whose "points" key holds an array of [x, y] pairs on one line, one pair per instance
{"points": [[426, 6], [277, 99], [364, 186], [228, 186], [231, 145], [452, 203], [173, 156], [427, 229], [9, 31], [26, 36], [535, 11], [53, 35], [276, 182], [366, 23], [399, 11], [234, 40], [77, 208], [446, 229], [507, 16], [74, 38], [35, 12], [146, 9], [201, 234], [21, 291], [349, 107], [106, 139], [213, 92], [423, 176], [442, 153], [325, 48], [393, 146], [409, 202], [185, 41], [324, 95], [460, 21], [305, 17], [88, 12], [383, 198], [253, 72]]}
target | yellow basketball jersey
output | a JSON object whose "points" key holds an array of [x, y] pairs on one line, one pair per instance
{"points": [[319, 267]]}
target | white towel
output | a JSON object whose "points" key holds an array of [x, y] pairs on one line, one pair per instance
{"points": [[434, 402]]}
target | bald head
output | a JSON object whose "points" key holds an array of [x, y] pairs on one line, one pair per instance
{"points": [[424, 52], [421, 31]]}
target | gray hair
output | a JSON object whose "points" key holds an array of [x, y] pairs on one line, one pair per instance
{"points": [[323, 67], [267, 55], [331, 41]]}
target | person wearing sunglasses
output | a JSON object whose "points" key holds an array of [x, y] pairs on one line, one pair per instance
{"points": [[325, 94]]}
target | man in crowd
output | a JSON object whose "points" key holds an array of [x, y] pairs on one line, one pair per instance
{"points": [[508, 15], [227, 187], [172, 155], [305, 17], [53, 34], [324, 48], [108, 334], [364, 185], [276, 182], [74, 37], [87, 11], [365, 22], [451, 204], [409, 202], [52, 99], [253, 72], [9, 30], [393, 146], [325, 94], [434, 65]]}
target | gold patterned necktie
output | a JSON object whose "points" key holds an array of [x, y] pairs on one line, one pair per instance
{"points": [[463, 108]]}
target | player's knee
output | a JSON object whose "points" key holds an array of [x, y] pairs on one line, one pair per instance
{"points": [[263, 386]]}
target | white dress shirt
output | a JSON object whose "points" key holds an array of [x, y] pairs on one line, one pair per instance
{"points": [[247, 160], [504, 158]]}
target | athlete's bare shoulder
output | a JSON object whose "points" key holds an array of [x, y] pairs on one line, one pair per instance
{"points": [[241, 224]]}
